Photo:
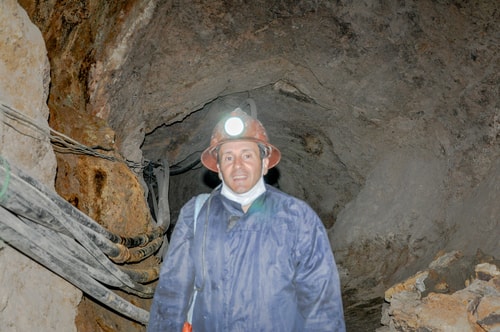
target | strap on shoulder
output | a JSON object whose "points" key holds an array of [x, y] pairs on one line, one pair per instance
{"points": [[200, 200]]}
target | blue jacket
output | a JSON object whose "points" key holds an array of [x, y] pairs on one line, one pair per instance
{"points": [[269, 269]]}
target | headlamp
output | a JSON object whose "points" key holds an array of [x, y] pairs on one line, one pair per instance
{"points": [[234, 126], [238, 126]]}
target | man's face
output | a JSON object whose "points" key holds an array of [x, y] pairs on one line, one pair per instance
{"points": [[240, 165]]}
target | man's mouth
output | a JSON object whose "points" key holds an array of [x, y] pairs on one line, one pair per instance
{"points": [[239, 177]]}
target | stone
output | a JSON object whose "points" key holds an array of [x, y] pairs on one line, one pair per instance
{"points": [[474, 308], [32, 298], [488, 313]]}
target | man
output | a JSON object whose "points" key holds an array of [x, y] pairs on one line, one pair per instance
{"points": [[258, 258]]}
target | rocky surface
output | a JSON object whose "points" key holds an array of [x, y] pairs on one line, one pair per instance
{"points": [[31, 297], [387, 115], [455, 293], [111, 194]]}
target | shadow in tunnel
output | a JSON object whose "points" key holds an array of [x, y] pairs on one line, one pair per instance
{"points": [[272, 177], [211, 179]]}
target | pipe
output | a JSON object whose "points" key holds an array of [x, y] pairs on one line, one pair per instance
{"points": [[163, 179]]}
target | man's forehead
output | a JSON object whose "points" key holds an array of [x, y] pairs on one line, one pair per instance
{"points": [[233, 146]]}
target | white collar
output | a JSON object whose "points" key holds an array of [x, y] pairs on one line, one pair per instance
{"points": [[246, 198]]}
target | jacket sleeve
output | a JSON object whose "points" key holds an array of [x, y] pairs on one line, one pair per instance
{"points": [[316, 278], [175, 285]]}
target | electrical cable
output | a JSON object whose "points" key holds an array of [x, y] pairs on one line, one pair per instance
{"points": [[25, 200], [6, 180], [47, 228], [176, 169], [56, 226], [22, 237], [61, 142], [64, 144]]}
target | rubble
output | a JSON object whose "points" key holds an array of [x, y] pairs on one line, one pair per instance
{"points": [[420, 303]]}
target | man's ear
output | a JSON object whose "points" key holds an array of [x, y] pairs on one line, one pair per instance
{"points": [[265, 164], [219, 172]]}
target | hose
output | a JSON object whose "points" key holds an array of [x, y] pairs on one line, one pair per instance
{"points": [[82, 218], [37, 207], [143, 275], [41, 224], [163, 180], [22, 237]]}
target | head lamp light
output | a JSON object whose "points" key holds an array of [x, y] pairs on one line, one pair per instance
{"points": [[234, 126], [238, 126]]}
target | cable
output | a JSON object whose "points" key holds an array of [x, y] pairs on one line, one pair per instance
{"points": [[6, 179], [27, 201], [18, 235], [65, 144], [61, 142], [47, 228], [56, 234]]}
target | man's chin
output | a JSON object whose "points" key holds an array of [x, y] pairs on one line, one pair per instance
{"points": [[240, 189]]}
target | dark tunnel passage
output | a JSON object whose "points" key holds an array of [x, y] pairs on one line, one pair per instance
{"points": [[386, 115], [309, 169]]}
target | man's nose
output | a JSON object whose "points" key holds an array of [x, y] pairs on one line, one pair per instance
{"points": [[238, 161]]}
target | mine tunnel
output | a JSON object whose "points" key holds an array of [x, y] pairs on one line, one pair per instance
{"points": [[386, 114]]}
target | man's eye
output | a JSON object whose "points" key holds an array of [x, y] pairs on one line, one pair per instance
{"points": [[247, 156], [228, 158]]}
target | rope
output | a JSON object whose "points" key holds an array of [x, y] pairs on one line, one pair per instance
{"points": [[6, 180]]}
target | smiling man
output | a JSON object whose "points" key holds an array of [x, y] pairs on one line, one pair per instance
{"points": [[241, 166], [255, 258]]}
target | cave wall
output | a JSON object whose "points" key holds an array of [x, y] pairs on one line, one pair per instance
{"points": [[31, 297], [108, 191], [387, 113]]}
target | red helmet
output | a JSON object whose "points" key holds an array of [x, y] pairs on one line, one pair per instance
{"points": [[238, 126]]}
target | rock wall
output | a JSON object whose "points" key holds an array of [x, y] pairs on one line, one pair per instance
{"points": [[31, 297], [83, 38], [387, 113]]}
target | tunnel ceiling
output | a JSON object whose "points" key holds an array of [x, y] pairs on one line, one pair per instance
{"points": [[336, 85], [386, 112]]}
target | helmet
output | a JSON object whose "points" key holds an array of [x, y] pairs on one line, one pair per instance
{"points": [[238, 126]]}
